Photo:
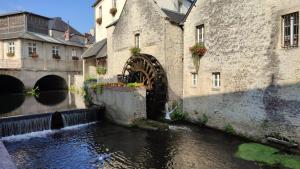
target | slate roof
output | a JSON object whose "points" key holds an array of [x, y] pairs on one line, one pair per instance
{"points": [[175, 17], [22, 12], [98, 50], [59, 25], [39, 37]]}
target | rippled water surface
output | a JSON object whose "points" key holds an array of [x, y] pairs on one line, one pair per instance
{"points": [[182, 147]]}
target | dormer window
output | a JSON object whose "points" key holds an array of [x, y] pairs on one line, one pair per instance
{"points": [[290, 30]]}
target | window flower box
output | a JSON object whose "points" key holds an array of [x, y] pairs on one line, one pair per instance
{"points": [[34, 55], [113, 11], [75, 58], [57, 57], [10, 54], [99, 20], [198, 51]]}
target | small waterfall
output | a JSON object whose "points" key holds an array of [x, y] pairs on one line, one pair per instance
{"points": [[77, 117], [47, 121], [23, 125]]}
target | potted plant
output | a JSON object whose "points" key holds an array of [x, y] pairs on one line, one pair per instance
{"points": [[10, 54], [34, 55], [198, 51], [101, 70], [56, 57], [99, 20], [113, 11], [135, 51], [75, 58]]}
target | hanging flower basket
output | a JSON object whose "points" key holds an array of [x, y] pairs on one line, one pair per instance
{"points": [[101, 70], [198, 51], [99, 20], [113, 11], [10, 54], [135, 51]]}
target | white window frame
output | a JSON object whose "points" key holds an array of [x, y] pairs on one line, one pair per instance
{"points": [[55, 51], [11, 47], [200, 33], [74, 53], [290, 30], [32, 48], [216, 80], [114, 3], [194, 79], [137, 40]]}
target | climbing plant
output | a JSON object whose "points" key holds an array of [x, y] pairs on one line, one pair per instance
{"points": [[198, 51], [113, 11], [135, 51], [101, 70]]}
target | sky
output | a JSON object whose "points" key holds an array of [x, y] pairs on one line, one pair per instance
{"points": [[79, 13]]}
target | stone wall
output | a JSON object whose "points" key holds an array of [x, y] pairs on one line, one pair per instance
{"points": [[122, 105], [158, 37], [259, 93]]}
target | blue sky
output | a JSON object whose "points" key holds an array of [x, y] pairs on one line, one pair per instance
{"points": [[78, 12]]}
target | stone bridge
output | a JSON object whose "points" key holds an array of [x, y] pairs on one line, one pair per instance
{"points": [[16, 77]]}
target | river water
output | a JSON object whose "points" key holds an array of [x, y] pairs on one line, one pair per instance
{"points": [[182, 147]]}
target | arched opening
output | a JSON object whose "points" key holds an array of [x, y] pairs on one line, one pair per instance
{"points": [[51, 83], [147, 70], [10, 84], [57, 121], [52, 90]]}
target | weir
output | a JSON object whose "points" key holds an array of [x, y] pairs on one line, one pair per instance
{"points": [[33, 123]]}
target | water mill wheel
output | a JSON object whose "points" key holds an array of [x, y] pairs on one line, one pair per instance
{"points": [[147, 70]]}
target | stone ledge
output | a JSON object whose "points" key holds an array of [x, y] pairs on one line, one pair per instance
{"points": [[6, 161]]}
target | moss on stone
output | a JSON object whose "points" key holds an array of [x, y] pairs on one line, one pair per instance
{"points": [[267, 155], [150, 125]]}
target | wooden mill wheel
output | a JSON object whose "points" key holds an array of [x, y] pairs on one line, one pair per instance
{"points": [[147, 70]]}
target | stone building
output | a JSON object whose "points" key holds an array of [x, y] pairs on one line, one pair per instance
{"points": [[34, 47], [96, 55], [249, 77]]}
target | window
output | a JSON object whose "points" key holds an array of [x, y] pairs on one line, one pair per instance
{"points": [[11, 47], [179, 5], [216, 80], [137, 40], [55, 51], [74, 53], [290, 30], [114, 3], [100, 11], [200, 34], [194, 79], [31, 48]]}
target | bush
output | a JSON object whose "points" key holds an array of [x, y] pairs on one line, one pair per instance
{"points": [[203, 119], [229, 129], [133, 85], [178, 114], [113, 11], [135, 51]]}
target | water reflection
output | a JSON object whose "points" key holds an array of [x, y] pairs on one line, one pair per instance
{"points": [[20, 104], [10, 102], [51, 98]]}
